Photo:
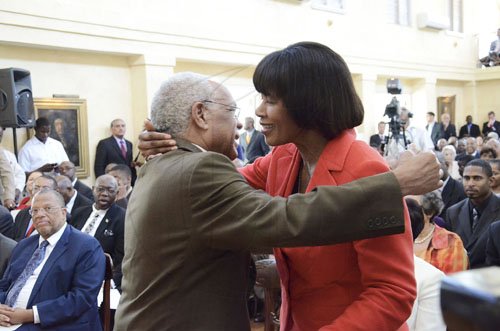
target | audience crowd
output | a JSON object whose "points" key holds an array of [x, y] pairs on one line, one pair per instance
{"points": [[55, 231]]}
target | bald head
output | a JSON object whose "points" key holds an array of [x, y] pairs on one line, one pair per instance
{"points": [[65, 188]]}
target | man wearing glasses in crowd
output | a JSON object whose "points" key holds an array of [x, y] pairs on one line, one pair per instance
{"points": [[53, 277], [105, 221]]}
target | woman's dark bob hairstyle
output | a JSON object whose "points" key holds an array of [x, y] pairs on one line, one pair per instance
{"points": [[315, 86]]}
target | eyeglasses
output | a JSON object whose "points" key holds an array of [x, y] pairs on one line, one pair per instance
{"points": [[234, 109], [101, 189], [46, 210]]}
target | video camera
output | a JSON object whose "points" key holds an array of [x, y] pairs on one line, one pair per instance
{"points": [[395, 142]]}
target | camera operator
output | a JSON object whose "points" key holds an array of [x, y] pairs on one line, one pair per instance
{"points": [[416, 137]]}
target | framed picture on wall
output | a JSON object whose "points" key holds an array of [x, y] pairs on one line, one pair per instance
{"points": [[68, 118], [446, 105]]}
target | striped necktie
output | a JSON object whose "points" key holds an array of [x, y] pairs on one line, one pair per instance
{"points": [[33, 263]]}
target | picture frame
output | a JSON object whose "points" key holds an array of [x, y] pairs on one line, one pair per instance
{"points": [[446, 105], [68, 118]]}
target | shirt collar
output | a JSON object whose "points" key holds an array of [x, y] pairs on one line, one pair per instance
{"points": [[99, 211], [202, 149], [53, 239]]}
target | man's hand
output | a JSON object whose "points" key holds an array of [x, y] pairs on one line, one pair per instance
{"points": [[10, 316], [4, 318], [153, 143], [418, 174], [9, 204]]}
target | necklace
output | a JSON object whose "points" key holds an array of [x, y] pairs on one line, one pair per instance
{"points": [[424, 239]]}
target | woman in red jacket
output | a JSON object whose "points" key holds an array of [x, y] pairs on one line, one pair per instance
{"points": [[309, 110]]}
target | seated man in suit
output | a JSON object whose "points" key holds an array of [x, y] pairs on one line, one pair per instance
{"points": [[452, 190], [53, 278], [6, 222], [105, 221], [67, 168], [6, 247], [471, 217], [23, 224], [123, 177], [72, 198], [493, 245]]}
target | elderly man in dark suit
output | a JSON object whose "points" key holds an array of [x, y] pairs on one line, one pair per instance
{"points": [[67, 168], [6, 247], [72, 198], [193, 219], [23, 224], [471, 217], [53, 278], [105, 221], [114, 149]]}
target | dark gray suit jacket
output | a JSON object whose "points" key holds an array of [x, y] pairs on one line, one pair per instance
{"points": [[193, 219], [493, 244], [6, 247], [458, 221]]}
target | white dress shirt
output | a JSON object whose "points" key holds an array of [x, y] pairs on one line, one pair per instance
{"points": [[24, 295], [420, 138], [35, 154], [71, 202]]}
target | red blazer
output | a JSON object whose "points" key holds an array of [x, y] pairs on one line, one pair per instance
{"points": [[361, 285]]}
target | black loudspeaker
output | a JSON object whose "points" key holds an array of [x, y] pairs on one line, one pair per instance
{"points": [[16, 99]]}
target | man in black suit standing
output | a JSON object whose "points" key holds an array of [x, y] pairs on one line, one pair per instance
{"points": [[452, 190], [72, 198], [253, 141], [377, 139], [115, 149], [470, 129], [471, 218], [67, 168], [492, 125], [105, 221]]}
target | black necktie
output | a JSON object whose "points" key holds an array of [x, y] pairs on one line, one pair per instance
{"points": [[475, 219]]}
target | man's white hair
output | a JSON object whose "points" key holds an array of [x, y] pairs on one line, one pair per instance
{"points": [[171, 106]]}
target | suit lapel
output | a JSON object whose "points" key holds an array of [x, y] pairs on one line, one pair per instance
{"points": [[59, 249], [85, 216], [464, 228], [106, 221], [487, 217], [116, 147]]}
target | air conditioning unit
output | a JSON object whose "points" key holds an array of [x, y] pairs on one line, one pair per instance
{"points": [[435, 22]]}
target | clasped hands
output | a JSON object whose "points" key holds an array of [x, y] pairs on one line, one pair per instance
{"points": [[11, 316]]}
